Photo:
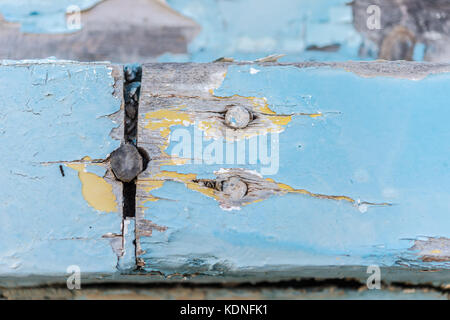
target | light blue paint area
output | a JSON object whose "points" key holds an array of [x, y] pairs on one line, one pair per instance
{"points": [[97, 170], [419, 52], [42, 16], [128, 260], [384, 142], [251, 29], [201, 237], [53, 112], [209, 161]]}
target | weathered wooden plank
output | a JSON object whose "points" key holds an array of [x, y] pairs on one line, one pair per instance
{"points": [[299, 277], [321, 30], [112, 30], [151, 30], [343, 164], [60, 204], [251, 29]]}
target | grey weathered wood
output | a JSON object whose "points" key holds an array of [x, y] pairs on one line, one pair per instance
{"points": [[114, 30], [403, 24]]}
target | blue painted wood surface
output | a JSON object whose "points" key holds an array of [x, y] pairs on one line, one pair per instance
{"points": [[377, 140], [54, 114], [313, 30], [360, 177], [244, 29], [251, 29]]}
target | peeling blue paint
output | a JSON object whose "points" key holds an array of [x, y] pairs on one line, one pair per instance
{"points": [[128, 261], [251, 29], [53, 111], [384, 142], [42, 16]]}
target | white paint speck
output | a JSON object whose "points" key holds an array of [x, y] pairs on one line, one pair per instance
{"points": [[226, 170], [254, 71], [230, 208], [362, 207]]}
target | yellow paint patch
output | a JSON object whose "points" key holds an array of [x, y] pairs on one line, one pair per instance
{"points": [[289, 189], [157, 181], [187, 179], [148, 186], [262, 106], [95, 190], [271, 121], [173, 161], [281, 120], [162, 120], [436, 251], [255, 201]]}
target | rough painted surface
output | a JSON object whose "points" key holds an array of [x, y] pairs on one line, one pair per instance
{"points": [[42, 16], [405, 27], [150, 29], [336, 197], [250, 29], [244, 29], [317, 30], [204, 30], [362, 171], [112, 30], [59, 121]]}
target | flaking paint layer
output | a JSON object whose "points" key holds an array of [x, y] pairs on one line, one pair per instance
{"points": [[96, 191]]}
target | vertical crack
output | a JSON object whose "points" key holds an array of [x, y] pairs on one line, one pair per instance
{"points": [[131, 92]]}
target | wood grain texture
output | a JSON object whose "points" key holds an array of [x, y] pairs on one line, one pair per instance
{"points": [[60, 204], [350, 167], [113, 30]]}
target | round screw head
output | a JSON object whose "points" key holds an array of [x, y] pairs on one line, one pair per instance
{"points": [[126, 162], [235, 188], [237, 117]]}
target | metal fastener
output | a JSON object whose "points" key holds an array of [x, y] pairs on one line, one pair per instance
{"points": [[237, 117], [235, 188], [126, 162]]}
